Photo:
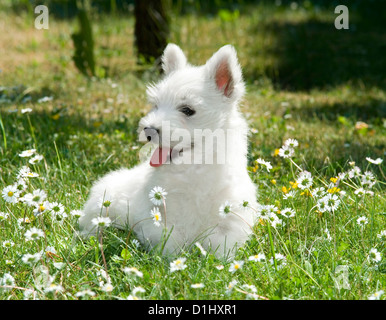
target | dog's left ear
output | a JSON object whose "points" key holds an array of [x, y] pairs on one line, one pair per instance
{"points": [[224, 69], [173, 58]]}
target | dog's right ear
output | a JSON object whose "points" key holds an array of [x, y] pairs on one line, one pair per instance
{"points": [[173, 59]]}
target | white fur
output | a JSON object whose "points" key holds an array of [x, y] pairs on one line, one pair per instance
{"points": [[195, 191]]}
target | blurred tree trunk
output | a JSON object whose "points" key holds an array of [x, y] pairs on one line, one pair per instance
{"points": [[152, 19]]}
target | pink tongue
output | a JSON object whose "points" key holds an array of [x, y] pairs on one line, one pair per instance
{"points": [[159, 157]]}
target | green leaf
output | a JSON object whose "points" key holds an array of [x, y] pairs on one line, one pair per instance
{"points": [[125, 254]]}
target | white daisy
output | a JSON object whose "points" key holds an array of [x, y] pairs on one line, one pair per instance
{"points": [[41, 208], [35, 198], [375, 255], [7, 282], [289, 195], [26, 110], [133, 270], [382, 235], [332, 202], [10, 194], [157, 195], [376, 295], [291, 143], [304, 180], [57, 211], [197, 285], [257, 257], [101, 222], [77, 213], [84, 293], [318, 192], [377, 161], [105, 201], [286, 152], [33, 234], [156, 214], [199, 246], [27, 153], [178, 264], [362, 221], [236, 265], [267, 164], [31, 258], [225, 209], [354, 172], [288, 212], [35, 159]]}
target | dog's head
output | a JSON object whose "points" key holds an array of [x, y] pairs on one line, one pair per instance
{"points": [[191, 98]]}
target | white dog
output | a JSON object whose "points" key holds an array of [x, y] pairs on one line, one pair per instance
{"points": [[209, 191]]}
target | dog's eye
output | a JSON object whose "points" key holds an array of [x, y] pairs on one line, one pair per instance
{"points": [[186, 110]]}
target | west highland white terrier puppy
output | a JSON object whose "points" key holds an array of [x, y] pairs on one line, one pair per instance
{"points": [[194, 186]]}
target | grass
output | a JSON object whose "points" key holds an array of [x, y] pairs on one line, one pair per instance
{"points": [[305, 80]]}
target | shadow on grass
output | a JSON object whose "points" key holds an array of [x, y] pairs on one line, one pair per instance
{"points": [[312, 53]]}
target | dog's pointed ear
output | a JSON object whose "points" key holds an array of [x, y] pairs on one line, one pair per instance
{"points": [[224, 69], [173, 58]]}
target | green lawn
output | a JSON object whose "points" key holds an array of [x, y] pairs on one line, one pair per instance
{"points": [[305, 80]]}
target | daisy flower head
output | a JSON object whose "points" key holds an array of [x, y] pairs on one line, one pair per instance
{"points": [[236, 265], [105, 201], [376, 161], [257, 257], [20, 185], [382, 235], [375, 255], [7, 282], [288, 212], [230, 286], [266, 164], [33, 234], [289, 195], [26, 110], [31, 259], [197, 285], [281, 260], [57, 211], [362, 221], [85, 293], [133, 270], [36, 159], [107, 287], [291, 143], [332, 202], [156, 214], [318, 192], [178, 264], [27, 153], [101, 222], [8, 244], [157, 195], [225, 209], [35, 198], [286, 152], [304, 180], [376, 295], [10, 194], [77, 213], [41, 208], [202, 250], [354, 172], [368, 179], [3, 216]]}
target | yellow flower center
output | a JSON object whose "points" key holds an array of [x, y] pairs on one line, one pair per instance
{"points": [[10, 193]]}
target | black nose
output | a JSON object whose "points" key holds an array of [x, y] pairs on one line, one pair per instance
{"points": [[152, 134]]}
